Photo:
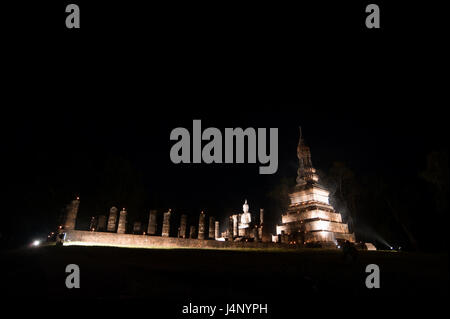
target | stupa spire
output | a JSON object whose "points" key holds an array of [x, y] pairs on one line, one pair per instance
{"points": [[306, 172]]}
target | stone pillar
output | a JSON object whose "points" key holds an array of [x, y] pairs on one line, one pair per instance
{"points": [[71, 214], [235, 226], [201, 226], [183, 224], [166, 224], [137, 228], [93, 224], [230, 228], [121, 228], [112, 220], [151, 229], [261, 223], [217, 230], [254, 233], [212, 227], [192, 232], [101, 225]]}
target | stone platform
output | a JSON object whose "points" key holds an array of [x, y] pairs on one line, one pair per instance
{"points": [[90, 238]]}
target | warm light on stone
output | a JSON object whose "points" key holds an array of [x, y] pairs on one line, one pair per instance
{"points": [[310, 217]]}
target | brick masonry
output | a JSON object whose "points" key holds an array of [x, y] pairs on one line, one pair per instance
{"points": [[80, 237]]}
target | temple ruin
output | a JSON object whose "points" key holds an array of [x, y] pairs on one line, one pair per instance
{"points": [[310, 218], [204, 234], [243, 227]]}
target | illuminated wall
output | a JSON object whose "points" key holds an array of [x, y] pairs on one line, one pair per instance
{"points": [[311, 214], [318, 225], [311, 194], [326, 225], [89, 238], [320, 236], [328, 236]]}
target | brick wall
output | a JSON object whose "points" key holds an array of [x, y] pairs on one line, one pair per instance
{"points": [[144, 241]]}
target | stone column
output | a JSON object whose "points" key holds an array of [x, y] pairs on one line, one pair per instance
{"points": [[93, 224], [217, 230], [201, 226], [121, 228], [137, 228], [183, 224], [261, 223], [212, 227], [112, 220], [166, 224], [192, 232], [230, 228], [254, 233], [151, 229], [101, 225], [71, 214], [235, 226]]}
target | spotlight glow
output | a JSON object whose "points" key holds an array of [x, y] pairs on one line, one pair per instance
{"points": [[36, 243]]}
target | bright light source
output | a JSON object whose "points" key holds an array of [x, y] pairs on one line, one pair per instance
{"points": [[36, 242]]}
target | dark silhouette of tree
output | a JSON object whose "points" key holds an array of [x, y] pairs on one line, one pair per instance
{"points": [[279, 198], [436, 174], [398, 201], [344, 190]]}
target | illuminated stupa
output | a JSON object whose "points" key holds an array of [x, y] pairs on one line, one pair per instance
{"points": [[310, 218]]}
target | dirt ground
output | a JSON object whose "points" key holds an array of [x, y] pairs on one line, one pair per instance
{"points": [[175, 277]]}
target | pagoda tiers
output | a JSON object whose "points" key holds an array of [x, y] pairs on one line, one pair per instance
{"points": [[310, 217]]}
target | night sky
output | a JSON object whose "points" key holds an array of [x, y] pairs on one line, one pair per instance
{"points": [[89, 113]]}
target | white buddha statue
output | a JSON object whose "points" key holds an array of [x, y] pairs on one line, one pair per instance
{"points": [[246, 217]]}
